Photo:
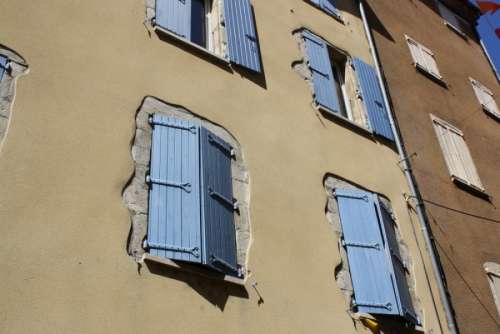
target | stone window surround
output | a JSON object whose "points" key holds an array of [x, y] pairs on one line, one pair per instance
{"points": [[222, 54], [342, 274], [16, 67], [353, 97], [136, 193]]}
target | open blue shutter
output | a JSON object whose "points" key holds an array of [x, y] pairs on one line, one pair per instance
{"points": [[174, 16], [241, 33], [3, 66], [329, 7], [371, 272], [218, 204], [373, 100], [174, 228], [322, 74], [399, 267]]}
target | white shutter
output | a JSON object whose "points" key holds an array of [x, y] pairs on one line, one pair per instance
{"points": [[485, 98], [456, 154], [493, 271], [423, 57]]}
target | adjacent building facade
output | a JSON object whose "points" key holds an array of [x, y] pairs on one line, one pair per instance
{"points": [[217, 166], [445, 97]]}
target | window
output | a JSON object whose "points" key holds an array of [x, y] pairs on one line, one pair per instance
{"points": [[456, 154], [346, 87], [224, 28], [328, 6], [493, 271], [191, 205], [377, 270], [454, 21], [485, 98], [423, 58], [3, 66]]}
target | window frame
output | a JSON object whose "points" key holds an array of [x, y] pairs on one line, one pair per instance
{"points": [[437, 122], [476, 85], [205, 50], [349, 118], [442, 7], [429, 55]]}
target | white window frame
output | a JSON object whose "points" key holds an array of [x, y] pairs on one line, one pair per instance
{"points": [[486, 98], [423, 58], [445, 11], [456, 154], [493, 273]]}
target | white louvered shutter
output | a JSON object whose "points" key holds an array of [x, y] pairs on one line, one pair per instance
{"points": [[485, 98], [456, 153]]}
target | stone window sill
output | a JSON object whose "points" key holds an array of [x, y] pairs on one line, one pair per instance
{"points": [[196, 270], [203, 50]]}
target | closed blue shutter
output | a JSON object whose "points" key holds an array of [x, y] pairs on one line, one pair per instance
{"points": [[322, 75], [174, 16], [399, 267], [371, 272], [174, 228], [241, 33], [3, 66], [373, 100], [218, 204]]}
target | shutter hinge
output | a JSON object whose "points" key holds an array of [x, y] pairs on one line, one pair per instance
{"points": [[195, 251], [221, 145], [232, 203], [361, 244], [191, 129], [216, 259], [387, 306], [186, 186]]}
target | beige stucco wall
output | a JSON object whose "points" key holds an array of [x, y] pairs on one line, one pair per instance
{"points": [[66, 159]]}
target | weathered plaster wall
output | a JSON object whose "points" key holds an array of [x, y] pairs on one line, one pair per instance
{"points": [[64, 226], [466, 227]]}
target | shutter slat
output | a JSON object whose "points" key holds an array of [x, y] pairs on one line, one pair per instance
{"points": [[242, 35], [322, 74], [174, 226], [372, 99], [399, 268], [3, 64], [218, 207], [373, 282], [174, 16]]}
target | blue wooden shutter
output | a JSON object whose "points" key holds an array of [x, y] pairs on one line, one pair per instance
{"points": [[371, 272], [174, 16], [322, 74], [3, 66], [174, 228], [328, 6], [399, 267], [218, 204], [371, 94], [242, 35]]}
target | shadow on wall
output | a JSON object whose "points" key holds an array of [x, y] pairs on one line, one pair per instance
{"points": [[215, 291], [375, 23]]}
